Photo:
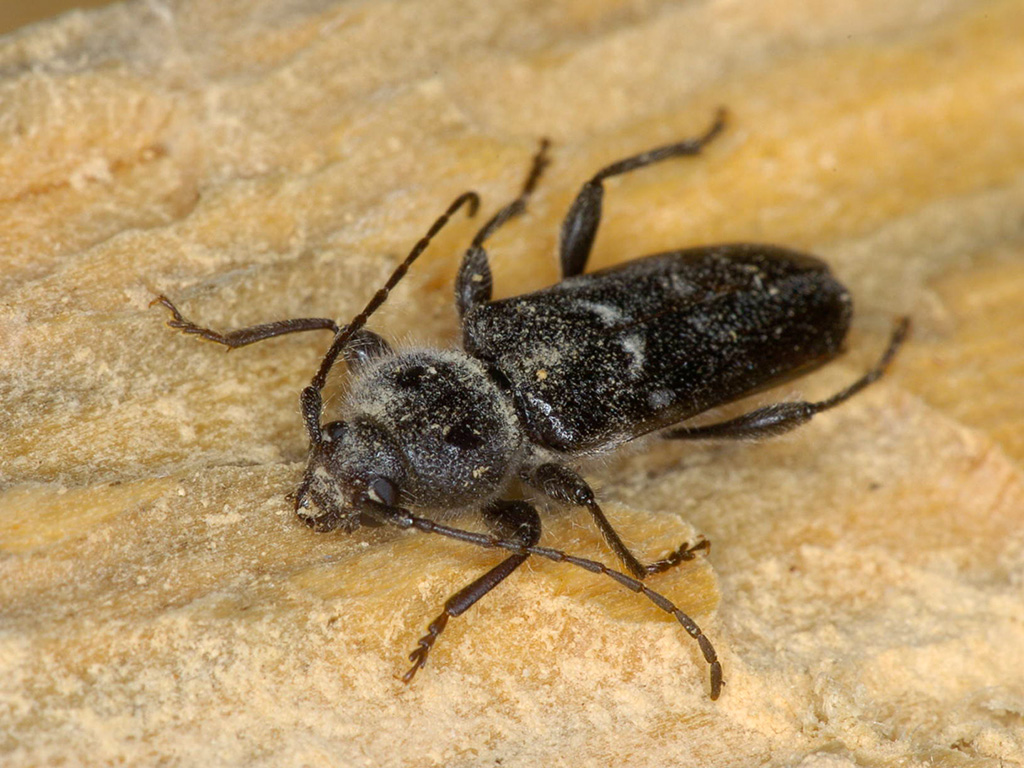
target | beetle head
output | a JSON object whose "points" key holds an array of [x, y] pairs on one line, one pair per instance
{"points": [[353, 463]]}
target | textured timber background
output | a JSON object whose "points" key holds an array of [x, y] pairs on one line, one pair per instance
{"points": [[261, 159]]}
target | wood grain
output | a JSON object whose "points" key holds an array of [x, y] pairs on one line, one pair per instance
{"points": [[259, 160]]}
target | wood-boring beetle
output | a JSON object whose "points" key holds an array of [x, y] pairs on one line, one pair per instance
{"points": [[552, 377]]}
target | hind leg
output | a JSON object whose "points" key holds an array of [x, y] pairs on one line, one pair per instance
{"points": [[779, 418]]}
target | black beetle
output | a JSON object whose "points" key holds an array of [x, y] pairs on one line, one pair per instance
{"points": [[558, 375]]}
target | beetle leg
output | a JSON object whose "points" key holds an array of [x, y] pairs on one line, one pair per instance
{"points": [[512, 520], [683, 553], [778, 418], [245, 336], [580, 224], [473, 282], [563, 484], [402, 518]]}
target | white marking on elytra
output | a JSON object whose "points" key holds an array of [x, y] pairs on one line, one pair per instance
{"points": [[680, 286], [660, 398], [636, 348], [609, 315]]}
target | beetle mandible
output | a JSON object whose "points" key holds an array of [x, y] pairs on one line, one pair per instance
{"points": [[549, 378]]}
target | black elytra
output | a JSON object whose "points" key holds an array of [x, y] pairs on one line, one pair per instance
{"points": [[546, 379]]}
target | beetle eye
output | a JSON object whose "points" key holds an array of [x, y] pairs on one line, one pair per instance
{"points": [[383, 491], [333, 431]]}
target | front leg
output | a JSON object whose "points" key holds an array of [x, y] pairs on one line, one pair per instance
{"points": [[473, 283], [404, 519], [511, 520], [562, 484]]}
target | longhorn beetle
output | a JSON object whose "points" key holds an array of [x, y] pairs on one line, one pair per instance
{"points": [[549, 378]]}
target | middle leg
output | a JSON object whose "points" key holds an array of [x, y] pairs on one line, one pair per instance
{"points": [[580, 225], [563, 484]]}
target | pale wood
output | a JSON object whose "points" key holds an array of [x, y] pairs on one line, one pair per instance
{"points": [[160, 604]]}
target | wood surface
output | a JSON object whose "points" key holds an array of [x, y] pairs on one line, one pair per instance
{"points": [[257, 160]]}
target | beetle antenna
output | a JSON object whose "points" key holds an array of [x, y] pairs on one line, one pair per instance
{"points": [[310, 399], [402, 518]]}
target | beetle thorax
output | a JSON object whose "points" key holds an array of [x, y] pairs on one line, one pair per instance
{"points": [[457, 431]]}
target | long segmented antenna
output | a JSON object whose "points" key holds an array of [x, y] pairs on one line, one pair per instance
{"points": [[403, 518], [310, 399]]}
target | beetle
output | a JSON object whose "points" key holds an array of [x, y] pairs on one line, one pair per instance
{"points": [[548, 379]]}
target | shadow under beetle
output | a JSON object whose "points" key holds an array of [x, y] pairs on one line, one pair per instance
{"points": [[554, 376]]}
